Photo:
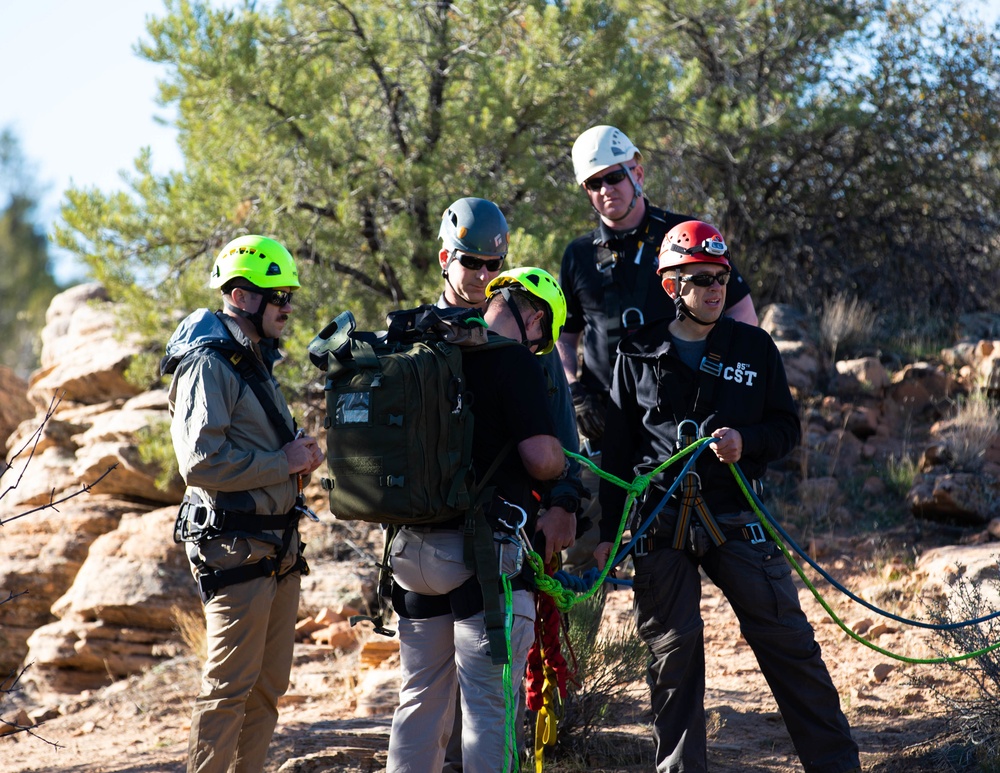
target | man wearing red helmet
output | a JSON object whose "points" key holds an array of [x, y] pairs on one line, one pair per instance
{"points": [[705, 374]]}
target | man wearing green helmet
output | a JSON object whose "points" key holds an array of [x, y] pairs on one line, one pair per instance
{"points": [[243, 462]]}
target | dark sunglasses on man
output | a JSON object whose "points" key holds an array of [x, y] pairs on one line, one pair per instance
{"points": [[707, 280], [475, 264], [610, 179], [277, 298]]}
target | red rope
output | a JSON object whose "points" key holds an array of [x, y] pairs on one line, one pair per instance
{"points": [[545, 651]]}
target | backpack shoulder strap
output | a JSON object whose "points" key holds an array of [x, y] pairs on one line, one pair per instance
{"points": [[711, 366], [242, 363]]}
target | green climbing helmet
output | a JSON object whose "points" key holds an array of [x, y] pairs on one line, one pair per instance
{"points": [[261, 261], [542, 285]]}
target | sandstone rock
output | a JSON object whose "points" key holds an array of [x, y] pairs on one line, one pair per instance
{"points": [[20, 722], [339, 636], [15, 407], [83, 359], [134, 576], [953, 571], [958, 497], [375, 651], [921, 387], [119, 615], [864, 376], [880, 672], [801, 363]]}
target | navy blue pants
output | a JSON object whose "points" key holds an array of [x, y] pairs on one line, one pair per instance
{"points": [[756, 579]]}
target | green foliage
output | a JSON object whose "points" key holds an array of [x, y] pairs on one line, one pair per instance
{"points": [[26, 283], [841, 147], [156, 447], [345, 129]]}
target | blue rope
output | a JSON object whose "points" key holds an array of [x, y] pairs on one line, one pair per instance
{"points": [[854, 597], [581, 584]]}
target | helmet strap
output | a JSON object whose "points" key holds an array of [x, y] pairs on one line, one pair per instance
{"points": [[684, 312], [256, 318], [505, 293], [636, 195], [447, 279]]}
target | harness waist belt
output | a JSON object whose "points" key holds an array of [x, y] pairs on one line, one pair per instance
{"points": [[267, 567], [202, 516], [751, 532]]}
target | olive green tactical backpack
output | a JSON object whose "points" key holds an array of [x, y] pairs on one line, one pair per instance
{"points": [[398, 418]]}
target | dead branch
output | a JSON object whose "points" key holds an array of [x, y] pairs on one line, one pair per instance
{"points": [[32, 443], [52, 503]]}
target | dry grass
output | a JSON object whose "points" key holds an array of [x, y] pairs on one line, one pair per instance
{"points": [[845, 322], [191, 627], [972, 431]]}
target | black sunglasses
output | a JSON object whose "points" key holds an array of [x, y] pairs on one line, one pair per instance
{"points": [[474, 264], [706, 280], [611, 178], [278, 298]]}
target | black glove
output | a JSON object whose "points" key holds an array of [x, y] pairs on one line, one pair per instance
{"points": [[589, 412]]}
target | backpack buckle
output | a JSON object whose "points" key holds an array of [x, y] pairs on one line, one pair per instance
{"points": [[712, 367]]}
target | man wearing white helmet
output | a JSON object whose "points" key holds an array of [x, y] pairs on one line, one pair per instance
{"points": [[609, 278], [607, 274]]}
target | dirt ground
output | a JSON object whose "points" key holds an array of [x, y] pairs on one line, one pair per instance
{"points": [[140, 725]]}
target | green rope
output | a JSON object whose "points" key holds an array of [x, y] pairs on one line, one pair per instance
{"points": [[843, 626], [565, 598], [510, 709]]}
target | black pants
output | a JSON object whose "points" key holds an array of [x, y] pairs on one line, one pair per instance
{"points": [[756, 580]]}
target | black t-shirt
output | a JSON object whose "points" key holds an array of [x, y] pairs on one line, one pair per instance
{"points": [[637, 286], [509, 402]]}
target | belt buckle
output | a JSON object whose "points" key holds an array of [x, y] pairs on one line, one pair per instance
{"points": [[757, 535], [641, 546]]}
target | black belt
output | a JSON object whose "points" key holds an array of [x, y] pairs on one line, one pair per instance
{"points": [[752, 532], [201, 516], [212, 581]]}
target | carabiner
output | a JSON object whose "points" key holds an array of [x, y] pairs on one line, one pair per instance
{"points": [[511, 527], [514, 542], [680, 433]]}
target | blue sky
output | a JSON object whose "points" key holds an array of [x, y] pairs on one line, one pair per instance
{"points": [[83, 104]]}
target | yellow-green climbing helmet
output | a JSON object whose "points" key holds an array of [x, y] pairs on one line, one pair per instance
{"points": [[541, 284], [261, 261]]}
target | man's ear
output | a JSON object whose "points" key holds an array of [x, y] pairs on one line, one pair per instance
{"points": [[535, 321], [669, 285], [443, 259]]}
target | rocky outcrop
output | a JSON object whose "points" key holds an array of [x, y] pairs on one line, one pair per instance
{"points": [[98, 583]]}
